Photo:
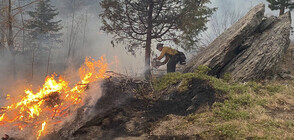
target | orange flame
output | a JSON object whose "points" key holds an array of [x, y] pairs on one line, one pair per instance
{"points": [[41, 130], [53, 100]]}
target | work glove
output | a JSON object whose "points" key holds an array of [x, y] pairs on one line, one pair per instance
{"points": [[158, 64]]}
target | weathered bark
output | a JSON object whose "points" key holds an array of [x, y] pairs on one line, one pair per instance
{"points": [[225, 47], [252, 49], [261, 60]]}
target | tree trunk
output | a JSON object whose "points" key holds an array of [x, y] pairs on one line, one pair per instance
{"points": [[70, 44], [264, 54], [2, 33], [14, 67], [23, 31], [2, 40], [48, 62], [216, 54], [10, 39], [84, 38], [10, 34], [282, 10], [252, 49], [33, 61], [148, 41]]}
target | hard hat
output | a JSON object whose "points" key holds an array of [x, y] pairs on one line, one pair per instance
{"points": [[159, 45]]}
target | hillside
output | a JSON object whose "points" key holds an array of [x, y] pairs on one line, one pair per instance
{"points": [[192, 106], [239, 87]]}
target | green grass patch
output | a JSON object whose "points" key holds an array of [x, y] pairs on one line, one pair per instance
{"points": [[227, 111], [236, 106], [228, 131], [184, 79], [247, 111], [272, 88], [167, 80]]}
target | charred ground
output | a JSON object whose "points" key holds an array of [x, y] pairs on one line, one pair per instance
{"points": [[187, 106], [126, 113], [241, 98]]}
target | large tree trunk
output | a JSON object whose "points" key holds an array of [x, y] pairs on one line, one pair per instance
{"points": [[252, 49], [263, 56], [225, 47], [148, 41]]}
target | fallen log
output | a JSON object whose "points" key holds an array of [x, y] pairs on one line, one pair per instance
{"points": [[252, 49]]}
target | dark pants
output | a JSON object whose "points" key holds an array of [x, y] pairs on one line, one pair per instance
{"points": [[171, 65]]}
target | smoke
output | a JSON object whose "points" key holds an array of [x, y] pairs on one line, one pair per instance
{"points": [[83, 34], [89, 97]]}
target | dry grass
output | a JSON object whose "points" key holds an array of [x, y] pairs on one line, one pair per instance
{"points": [[251, 111]]}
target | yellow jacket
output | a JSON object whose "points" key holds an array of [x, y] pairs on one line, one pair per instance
{"points": [[167, 51]]}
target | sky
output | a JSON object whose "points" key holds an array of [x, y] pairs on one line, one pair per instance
{"points": [[236, 4]]}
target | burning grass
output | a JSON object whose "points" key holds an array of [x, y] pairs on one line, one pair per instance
{"points": [[40, 111]]}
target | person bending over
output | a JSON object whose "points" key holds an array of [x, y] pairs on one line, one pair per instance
{"points": [[171, 57]]}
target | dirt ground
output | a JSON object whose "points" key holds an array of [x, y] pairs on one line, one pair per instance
{"points": [[143, 116]]}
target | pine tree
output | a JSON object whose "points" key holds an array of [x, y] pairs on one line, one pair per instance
{"points": [[138, 22], [44, 31], [281, 5], [41, 25]]}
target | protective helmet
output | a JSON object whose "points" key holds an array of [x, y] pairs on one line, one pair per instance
{"points": [[159, 45]]}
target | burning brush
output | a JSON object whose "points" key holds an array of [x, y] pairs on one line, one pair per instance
{"points": [[54, 101]]}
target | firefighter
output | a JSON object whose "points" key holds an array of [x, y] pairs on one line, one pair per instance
{"points": [[171, 57]]}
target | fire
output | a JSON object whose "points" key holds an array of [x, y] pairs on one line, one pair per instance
{"points": [[54, 100], [41, 130], [1, 118]]}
